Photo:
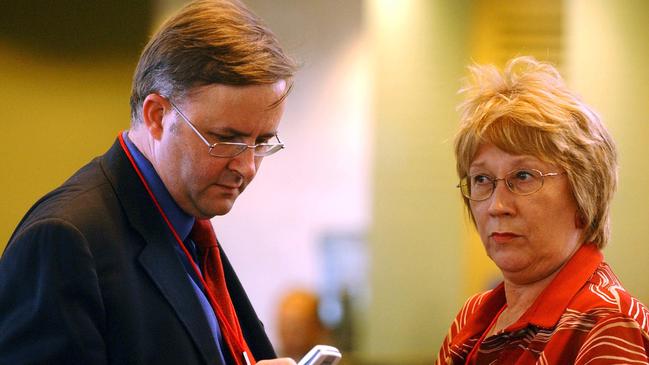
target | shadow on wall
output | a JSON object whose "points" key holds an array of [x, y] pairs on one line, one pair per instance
{"points": [[77, 28], [66, 75]]}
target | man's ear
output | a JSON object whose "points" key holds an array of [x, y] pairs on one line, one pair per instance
{"points": [[153, 112]]}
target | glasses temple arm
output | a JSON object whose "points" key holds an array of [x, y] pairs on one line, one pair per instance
{"points": [[190, 124]]}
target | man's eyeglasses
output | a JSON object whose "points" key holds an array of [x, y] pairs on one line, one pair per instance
{"points": [[521, 182], [232, 149]]}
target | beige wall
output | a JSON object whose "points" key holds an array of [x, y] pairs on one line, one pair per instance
{"points": [[606, 61], [56, 115]]}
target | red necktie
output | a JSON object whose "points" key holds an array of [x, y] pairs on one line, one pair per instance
{"points": [[203, 235]]}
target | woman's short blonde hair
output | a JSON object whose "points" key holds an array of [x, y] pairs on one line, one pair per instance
{"points": [[527, 110]]}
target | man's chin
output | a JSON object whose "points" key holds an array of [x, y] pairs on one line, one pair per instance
{"points": [[213, 210]]}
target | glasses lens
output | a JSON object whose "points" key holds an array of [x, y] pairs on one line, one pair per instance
{"points": [[480, 187], [474, 191], [227, 149], [267, 149], [524, 182]]}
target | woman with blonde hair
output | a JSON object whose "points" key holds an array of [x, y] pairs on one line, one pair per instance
{"points": [[537, 172]]}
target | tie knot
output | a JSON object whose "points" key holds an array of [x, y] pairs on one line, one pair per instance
{"points": [[202, 234]]}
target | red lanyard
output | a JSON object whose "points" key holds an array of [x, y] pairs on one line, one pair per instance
{"points": [[241, 342]]}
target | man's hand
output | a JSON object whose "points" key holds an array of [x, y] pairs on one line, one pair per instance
{"points": [[282, 361]]}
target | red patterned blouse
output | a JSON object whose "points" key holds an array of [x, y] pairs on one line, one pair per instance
{"points": [[584, 316]]}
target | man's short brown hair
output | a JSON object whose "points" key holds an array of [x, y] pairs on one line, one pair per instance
{"points": [[208, 42]]}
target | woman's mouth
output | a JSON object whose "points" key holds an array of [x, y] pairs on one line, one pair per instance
{"points": [[503, 237]]}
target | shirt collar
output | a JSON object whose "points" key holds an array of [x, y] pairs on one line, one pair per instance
{"points": [[553, 301], [546, 310], [181, 221], [488, 304]]}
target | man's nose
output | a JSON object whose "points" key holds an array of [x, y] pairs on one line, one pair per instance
{"points": [[245, 163]]}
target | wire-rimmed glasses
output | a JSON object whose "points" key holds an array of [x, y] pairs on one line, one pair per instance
{"points": [[480, 187], [232, 149]]}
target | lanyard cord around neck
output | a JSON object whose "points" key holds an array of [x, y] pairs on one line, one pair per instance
{"points": [[235, 334]]}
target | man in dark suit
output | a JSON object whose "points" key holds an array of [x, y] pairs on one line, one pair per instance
{"points": [[119, 265]]}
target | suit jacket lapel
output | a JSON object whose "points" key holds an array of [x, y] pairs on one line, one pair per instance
{"points": [[159, 257]]}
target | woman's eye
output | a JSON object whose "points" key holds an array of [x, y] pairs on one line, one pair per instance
{"points": [[481, 179], [524, 175]]}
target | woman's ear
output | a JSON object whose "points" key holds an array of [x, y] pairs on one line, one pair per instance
{"points": [[580, 221]]}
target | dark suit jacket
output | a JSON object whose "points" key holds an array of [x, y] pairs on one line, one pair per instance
{"points": [[90, 276]]}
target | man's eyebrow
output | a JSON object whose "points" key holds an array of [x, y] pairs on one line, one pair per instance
{"points": [[229, 131], [237, 133]]}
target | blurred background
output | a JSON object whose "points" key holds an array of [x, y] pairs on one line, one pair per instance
{"points": [[356, 224]]}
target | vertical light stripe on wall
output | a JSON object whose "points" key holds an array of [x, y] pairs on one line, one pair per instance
{"points": [[415, 239], [606, 62]]}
